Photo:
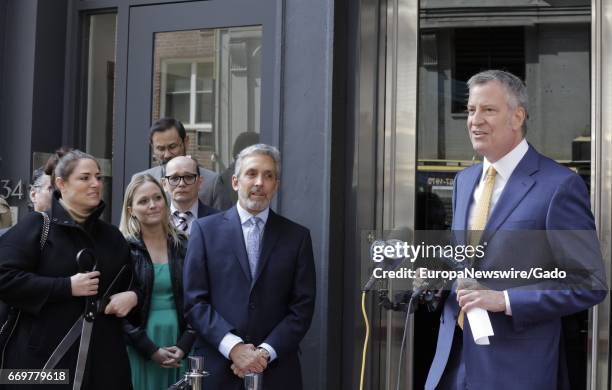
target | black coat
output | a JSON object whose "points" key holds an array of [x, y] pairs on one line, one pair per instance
{"points": [[143, 270], [38, 283]]}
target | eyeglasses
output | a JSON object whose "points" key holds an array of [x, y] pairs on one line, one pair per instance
{"points": [[187, 179], [39, 188]]}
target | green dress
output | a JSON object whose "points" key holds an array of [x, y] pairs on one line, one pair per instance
{"points": [[163, 330]]}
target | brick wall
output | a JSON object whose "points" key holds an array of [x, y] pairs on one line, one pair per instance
{"points": [[183, 45]]}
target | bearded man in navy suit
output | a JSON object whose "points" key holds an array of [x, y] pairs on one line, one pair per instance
{"points": [[515, 190], [249, 282]]}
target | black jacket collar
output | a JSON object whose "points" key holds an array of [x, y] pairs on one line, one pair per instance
{"points": [[60, 215], [139, 243]]}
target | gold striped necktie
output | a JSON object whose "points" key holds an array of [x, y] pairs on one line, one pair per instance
{"points": [[481, 215]]}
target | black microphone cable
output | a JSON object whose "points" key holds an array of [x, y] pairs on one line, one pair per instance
{"points": [[415, 295], [387, 264]]}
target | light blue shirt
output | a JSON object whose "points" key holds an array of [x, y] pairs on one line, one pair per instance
{"points": [[245, 216], [230, 340]]}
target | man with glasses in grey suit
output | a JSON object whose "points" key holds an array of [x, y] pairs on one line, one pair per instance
{"points": [[169, 139]]}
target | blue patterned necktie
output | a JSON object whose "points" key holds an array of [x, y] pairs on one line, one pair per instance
{"points": [[182, 220], [252, 244]]}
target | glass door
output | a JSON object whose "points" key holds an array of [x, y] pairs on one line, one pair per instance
{"points": [[210, 67], [548, 45]]}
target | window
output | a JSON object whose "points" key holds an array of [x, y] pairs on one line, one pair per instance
{"points": [[99, 94], [503, 48], [187, 93], [210, 79]]}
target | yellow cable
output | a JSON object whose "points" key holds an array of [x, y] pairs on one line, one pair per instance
{"points": [[367, 336]]}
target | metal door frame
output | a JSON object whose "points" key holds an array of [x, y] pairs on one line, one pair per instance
{"points": [[399, 156], [145, 21], [399, 163], [601, 182]]}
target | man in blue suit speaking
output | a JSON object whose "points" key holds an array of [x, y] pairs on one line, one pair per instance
{"points": [[515, 189], [250, 282]]}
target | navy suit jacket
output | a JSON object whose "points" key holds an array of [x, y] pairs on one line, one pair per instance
{"points": [[220, 295], [549, 203], [204, 211]]}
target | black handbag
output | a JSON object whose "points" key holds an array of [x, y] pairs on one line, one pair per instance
{"points": [[9, 314]]}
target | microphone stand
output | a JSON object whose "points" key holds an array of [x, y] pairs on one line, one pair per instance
{"points": [[402, 301], [405, 300]]}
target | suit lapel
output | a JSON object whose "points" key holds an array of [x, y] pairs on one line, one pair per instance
{"points": [[271, 234], [156, 172], [237, 237], [516, 188], [201, 211]]}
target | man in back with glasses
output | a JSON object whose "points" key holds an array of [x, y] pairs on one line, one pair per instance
{"points": [[168, 140], [182, 182]]}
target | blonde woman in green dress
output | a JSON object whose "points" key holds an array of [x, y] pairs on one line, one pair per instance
{"points": [[157, 346]]}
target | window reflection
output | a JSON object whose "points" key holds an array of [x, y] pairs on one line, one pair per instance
{"points": [[211, 81], [553, 59], [177, 92], [100, 95], [503, 48]]}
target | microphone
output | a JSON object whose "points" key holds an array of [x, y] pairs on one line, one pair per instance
{"points": [[391, 263], [452, 264], [419, 285], [425, 289], [387, 264]]}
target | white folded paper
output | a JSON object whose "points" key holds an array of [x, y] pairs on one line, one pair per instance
{"points": [[480, 324]]}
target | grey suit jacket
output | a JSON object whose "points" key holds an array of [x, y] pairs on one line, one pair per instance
{"points": [[214, 192]]}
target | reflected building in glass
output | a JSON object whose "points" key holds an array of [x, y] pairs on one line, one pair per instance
{"points": [[211, 81], [548, 47]]}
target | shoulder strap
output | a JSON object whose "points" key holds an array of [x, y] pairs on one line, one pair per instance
{"points": [[14, 314], [45, 230]]}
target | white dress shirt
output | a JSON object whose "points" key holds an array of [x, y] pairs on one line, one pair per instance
{"points": [[190, 219], [230, 340], [504, 167]]}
